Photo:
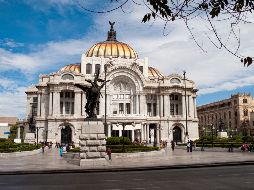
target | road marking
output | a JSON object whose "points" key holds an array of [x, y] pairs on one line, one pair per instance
{"points": [[112, 180], [138, 179], [138, 188]]}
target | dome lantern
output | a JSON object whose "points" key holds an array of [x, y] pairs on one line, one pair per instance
{"points": [[112, 48]]}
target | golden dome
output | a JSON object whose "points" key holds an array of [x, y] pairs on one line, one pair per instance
{"points": [[112, 48], [152, 72], [71, 68]]}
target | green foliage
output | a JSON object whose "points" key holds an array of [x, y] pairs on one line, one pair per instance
{"points": [[3, 140], [118, 141], [13, 131], [8, 146], [77, 149], [131, 148]]}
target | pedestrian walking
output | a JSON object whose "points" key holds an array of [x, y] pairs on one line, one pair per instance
{"points": [[191, 145], [109, 153], [188, 146], [43, 147], [61, 151], [172, 145]]}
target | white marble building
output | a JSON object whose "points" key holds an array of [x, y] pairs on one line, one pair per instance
{"points": [[148, 105]]}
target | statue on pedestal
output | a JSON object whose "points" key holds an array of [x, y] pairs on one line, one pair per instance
{"points": [[93, 94]]}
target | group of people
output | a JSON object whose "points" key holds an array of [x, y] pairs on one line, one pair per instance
{"points": [[190, 145], [247, 147]]}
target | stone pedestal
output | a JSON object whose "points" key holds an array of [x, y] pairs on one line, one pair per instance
{"points": [[29, 138], [92, 144], [222, 134]]}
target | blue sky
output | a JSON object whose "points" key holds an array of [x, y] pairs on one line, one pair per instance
{"points": [[40, 37]]}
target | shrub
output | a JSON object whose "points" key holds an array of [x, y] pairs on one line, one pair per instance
{"points": [[131, 148], [77, 149], [118, 141], [8, 146]]}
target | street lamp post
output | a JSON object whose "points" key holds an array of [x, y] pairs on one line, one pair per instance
{"points": [[186, 114], [212, 128]]}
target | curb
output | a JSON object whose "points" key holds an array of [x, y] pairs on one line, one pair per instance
{"points": [[145, 168]]}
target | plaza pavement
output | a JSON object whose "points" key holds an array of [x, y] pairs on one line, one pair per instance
{"points": [[51, 162]]}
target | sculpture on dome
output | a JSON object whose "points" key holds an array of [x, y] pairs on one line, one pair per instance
{"points": [[92, 94]]}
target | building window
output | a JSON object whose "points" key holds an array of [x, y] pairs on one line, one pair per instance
{"points": [[72, 108], [245, 112], [171, 97], [67, 107], [245, 101], [176, 97], [97, 68], [128, 108], [172, 109], [235, 102], [252, 123], [67, 95], [141, 69], [154, 109], [121, 109], [35, 99], [175, 81], [67, 77], [149, 109], [88, 68], [61, 107], [177, 113]]}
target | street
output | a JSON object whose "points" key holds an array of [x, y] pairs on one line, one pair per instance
{"points": [[230, 177]]}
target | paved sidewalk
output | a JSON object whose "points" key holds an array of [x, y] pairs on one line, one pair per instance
{"points": [[50, 161]]}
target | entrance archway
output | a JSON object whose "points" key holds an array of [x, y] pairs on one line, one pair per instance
{"points": [[66, 135], [177, 135]]}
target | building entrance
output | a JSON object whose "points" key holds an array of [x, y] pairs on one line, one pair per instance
{"points": [[177, 136], [66, 135]]}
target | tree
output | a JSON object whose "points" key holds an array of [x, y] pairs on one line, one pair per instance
{"points": [[235, 11]]}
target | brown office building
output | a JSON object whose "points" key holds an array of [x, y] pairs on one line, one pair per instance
{"points": [[234, 116]]}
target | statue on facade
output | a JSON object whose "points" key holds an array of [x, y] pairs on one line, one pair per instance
{"points": [[93, 94]]}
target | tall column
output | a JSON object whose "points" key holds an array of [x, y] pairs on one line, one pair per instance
{"points": [[158, 135], [189, 108], [161, 105], [102, 105], [137, 104], [83, 103], [18, 133], [132, 135], [143, 105], [147, 133], [195, 107], [109, 130], [166, 105], [39, 105], [183, 106], [142, 133], [158, 105], [120, 133], [56, 103], [77, 107], [50, 102]]}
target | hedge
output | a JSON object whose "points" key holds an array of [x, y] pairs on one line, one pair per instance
{"points": [[131, 148], [6, 147], [118, 141], [77, 149]]}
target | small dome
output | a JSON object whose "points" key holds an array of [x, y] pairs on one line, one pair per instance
{"points": [[152, 72], [112, 48], [71, 68]]}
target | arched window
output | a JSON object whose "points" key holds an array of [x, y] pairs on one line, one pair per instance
{"points": [[88, 68], [245, 112], [67, 77], [97, 68], [175, 81]]}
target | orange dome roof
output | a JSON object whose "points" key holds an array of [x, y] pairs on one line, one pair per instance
{"points": [[71, 68], [111, 47], [152, 72]]}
